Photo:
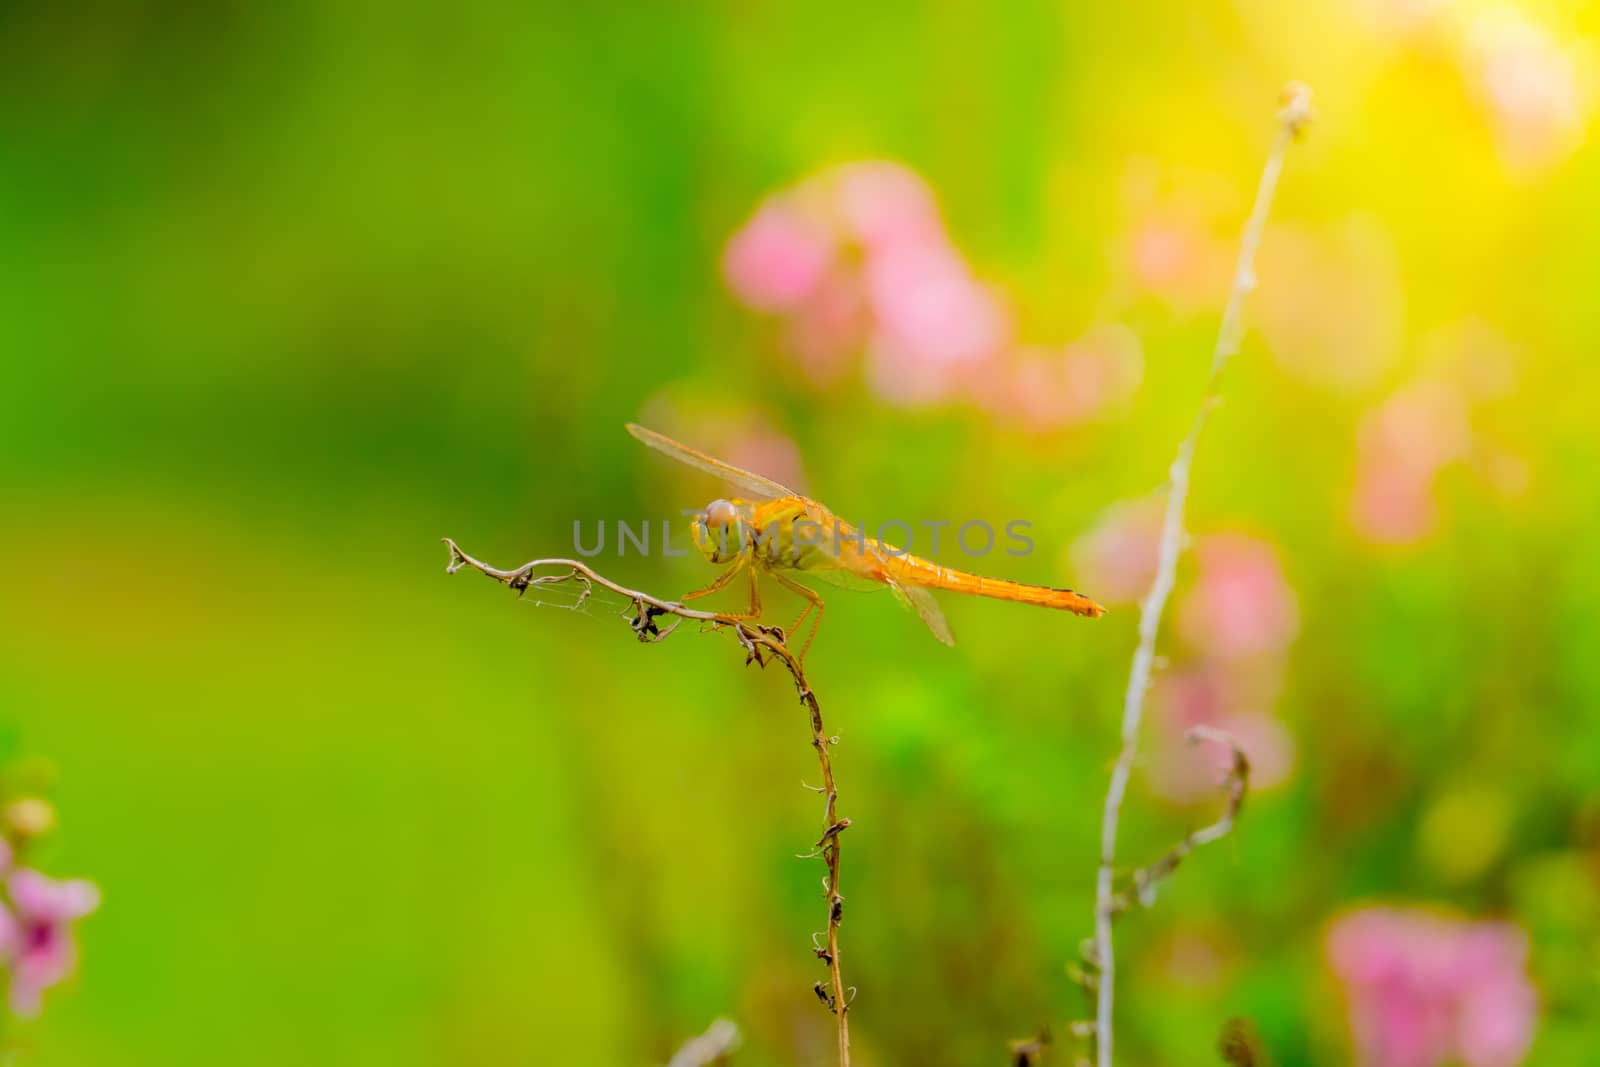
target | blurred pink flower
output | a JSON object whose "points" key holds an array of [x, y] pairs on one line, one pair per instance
{"points": [[1162, 253], [857, 259], [36, 939], [779, 256], [1031, 391], [905, 290], [1424, 990], [886, 205], [828, 328], [1537, 89], [1240, 605], [1187, 772], [1044, 389], [1401, 446], [935, 322], [769, 453], [1392, 505], [1103, 368], [1171, 255], [1173, 223], [1420, 428], [1116, 558]]}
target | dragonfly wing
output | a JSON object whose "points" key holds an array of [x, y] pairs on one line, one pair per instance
{"points": [[839, 573], [921, 601], [842, 578], [849, 567], [758, 487], [914, 597]]}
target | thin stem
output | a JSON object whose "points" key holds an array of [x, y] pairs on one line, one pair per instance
{"points": [[1142, 886], [837, 999], [1292, 118], [759, 642]]}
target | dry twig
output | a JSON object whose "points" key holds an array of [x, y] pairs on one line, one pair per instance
{"points": [[1292, 119], [759, 642], [1143, 882]]}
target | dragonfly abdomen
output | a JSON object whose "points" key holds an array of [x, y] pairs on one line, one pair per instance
{"points": [[918, 571]]}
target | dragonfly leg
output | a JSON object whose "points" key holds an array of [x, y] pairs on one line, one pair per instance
{"points": [[813, 600], [755, 597], [722, 579], [803, 613]]}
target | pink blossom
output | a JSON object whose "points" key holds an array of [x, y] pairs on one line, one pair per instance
{"points": [[926, 299], [899, 377], [36, 939], [935, 322], [828, 327], [1163, 254], [1392, 505], [1402, 444], [1046, 390], [1117, 556], [1031, 391], [1103, 369], [859, 255], [1534, 86], [857, 259], [1424, 990], [1240, 605], [779, 256], [1421, 428], [1172, 250], [886, 205]]}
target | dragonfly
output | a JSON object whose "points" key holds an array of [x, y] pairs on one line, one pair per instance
{"points": [[775, 532]]}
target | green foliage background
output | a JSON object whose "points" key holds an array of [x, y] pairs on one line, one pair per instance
{"points": [[291, 290]]}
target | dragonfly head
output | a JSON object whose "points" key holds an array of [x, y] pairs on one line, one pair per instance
{"points": [[718, 530]]}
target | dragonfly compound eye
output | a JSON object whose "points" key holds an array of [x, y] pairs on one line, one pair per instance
{"points": [[720, 513]]}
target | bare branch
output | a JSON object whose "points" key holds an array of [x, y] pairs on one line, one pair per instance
{"points": [[1292, 119], [759, 642], [1145, 880]]}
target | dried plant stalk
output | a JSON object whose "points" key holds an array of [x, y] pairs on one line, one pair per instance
{"points": [[759, 642]]}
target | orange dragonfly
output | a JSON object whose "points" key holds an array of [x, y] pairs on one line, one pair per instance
{"points": [[778, 532]]}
